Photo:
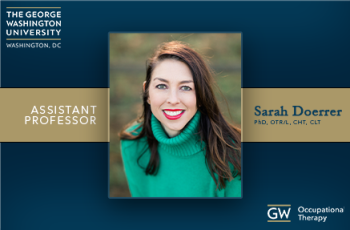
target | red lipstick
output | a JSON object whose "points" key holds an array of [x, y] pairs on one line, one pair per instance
{"points": [[175, 115]]}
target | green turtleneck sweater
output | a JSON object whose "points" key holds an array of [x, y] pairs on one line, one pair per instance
{"points": [[182, 170]]}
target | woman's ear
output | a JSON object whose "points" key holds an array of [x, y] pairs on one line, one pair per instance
{"points": [[144, 89], [144, 86]]}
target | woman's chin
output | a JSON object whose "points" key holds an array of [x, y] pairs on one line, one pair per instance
{"points": [[173, 130]]}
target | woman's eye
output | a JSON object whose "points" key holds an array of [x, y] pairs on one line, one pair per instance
{"points": [[186, 88], [161, 86]]}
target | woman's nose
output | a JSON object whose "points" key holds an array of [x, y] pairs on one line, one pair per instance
{"points": [[173, 98]]}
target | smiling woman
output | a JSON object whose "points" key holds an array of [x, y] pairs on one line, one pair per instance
{"points": [[172, 95], [182, 146]]}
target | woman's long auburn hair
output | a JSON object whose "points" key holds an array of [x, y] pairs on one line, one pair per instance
{"points": [[223, 140]]}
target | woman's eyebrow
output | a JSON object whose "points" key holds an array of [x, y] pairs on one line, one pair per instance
{"points": [[161, 79], [189, 81], [164, 80]]}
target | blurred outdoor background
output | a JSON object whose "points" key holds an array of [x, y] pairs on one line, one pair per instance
{"points": [[128, 55]]}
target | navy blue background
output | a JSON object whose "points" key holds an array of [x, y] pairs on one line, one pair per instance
{"points": [[285, 44]]}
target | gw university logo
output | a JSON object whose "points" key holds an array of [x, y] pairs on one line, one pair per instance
{"points": [[278, 212]]}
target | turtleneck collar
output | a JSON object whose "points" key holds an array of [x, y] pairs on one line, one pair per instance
{"points": [[185, 144]]}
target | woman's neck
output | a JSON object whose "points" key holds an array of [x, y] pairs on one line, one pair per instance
{"points": [[186, 143], [171, 133]]}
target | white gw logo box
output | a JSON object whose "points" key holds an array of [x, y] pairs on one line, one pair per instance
{"points": [[278, 212]]}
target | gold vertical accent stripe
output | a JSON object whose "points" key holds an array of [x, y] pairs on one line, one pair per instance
{"points": [[242, 115], [108, 117]]}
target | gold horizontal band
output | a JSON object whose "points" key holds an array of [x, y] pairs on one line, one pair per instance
{"points": [[295, 115], [33, 7], [33, 39], [278, 205], [278, 221], [54, 114]]}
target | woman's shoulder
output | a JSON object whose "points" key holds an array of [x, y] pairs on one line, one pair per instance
{"points": [[134, 129]]}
